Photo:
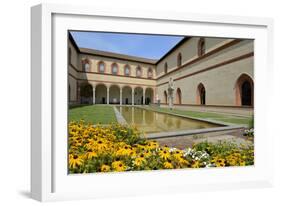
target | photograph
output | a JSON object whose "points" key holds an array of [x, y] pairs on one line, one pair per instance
{"points": [[143, 102]]}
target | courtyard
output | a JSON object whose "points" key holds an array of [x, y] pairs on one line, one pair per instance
{"points": [[98, 142], [159, 102], [106, 115]]}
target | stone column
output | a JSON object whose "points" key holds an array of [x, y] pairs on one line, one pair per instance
{"points": [[143, 99], [155, 96], [120, 95], [133, 96], [107, 95], [94, 95]]}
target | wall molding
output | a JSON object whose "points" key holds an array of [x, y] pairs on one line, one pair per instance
{"points": [[216, 50], [244, 56], [113, 82], [210, 105], [118, 75]]}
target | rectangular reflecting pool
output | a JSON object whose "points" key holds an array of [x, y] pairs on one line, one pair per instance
{"points": [[153, 122]]}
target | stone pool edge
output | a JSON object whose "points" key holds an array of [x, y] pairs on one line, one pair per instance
{"points": [[194, 118], [191, 132], [158, 135], [225, 127], [120, 119]]}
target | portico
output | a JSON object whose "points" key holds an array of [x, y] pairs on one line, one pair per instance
{"points": [[99, 93]]}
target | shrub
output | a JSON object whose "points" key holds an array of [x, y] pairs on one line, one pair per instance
{"points": [[249, 132], [228, 153]]}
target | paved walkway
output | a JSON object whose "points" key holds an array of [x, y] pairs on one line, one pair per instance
{"points": [[182, 142]]}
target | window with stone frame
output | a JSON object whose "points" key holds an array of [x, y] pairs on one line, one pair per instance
{"points": [[114, 69], [138, 72], [127, 70], [101, 67], [86, 65], [69, 55], [201, 47], [149, 73], [166, 68], [179, 60]]}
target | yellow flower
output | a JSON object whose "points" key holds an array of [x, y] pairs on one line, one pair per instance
{"points": [[220, 162], [147, 154], [126, 150], [242, 163], [90, 154], [75, 161], [182, 161], [139, 161], [118, 166], [100, 145], [152, 145], [168, 165], [178, 154], [164, 154], [105, 168], [195, 164]]}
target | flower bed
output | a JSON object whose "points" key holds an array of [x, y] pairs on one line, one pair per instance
{"points": [[121, 148]]}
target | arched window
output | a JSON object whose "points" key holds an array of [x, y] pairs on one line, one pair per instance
{"points": [[179, 61], [114, 68], [86, 94], [244, 91], [101, 67], [149, 73], [86, 65], [201, 94], [127, 70], [165, 97], [138, 72], [166, 68], [201, 47], [178, 96]]}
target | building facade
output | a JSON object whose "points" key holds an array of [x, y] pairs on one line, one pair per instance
{"points": [[210, 74]]}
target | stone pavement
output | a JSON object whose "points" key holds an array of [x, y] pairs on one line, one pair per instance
{"points": [[182, 142]]}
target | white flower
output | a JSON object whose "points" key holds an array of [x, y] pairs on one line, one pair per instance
{"points": [[173, 149]]}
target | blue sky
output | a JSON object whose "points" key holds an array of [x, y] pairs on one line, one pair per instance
{"points": [[147, 46]]}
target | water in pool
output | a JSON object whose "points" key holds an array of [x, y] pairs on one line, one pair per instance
{"points": [[152, 122]]}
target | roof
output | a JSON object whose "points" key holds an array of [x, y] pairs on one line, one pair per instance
{"points": [[116, 55], [123, 56]]}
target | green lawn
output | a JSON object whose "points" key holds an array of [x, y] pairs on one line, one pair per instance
{"points": [[94, 114], [208, 116], [104, 114]]}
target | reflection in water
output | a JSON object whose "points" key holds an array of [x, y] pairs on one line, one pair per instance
{"points": [[178, 123], [151, 122], [170, 123], [149, 117], [165, 118]]}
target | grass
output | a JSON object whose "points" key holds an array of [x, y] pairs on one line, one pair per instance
{"points": [[93, 114], [208, 116], [104, 114]]}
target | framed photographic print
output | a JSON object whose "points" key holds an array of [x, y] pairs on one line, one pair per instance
{"points": [[135, 102]]}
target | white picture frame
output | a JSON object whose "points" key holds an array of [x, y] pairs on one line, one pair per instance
{"points": [[49, 178]]}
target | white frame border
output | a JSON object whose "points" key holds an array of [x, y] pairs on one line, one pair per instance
{"points": [[42, 87]]}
